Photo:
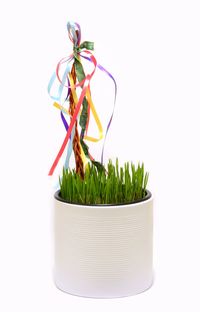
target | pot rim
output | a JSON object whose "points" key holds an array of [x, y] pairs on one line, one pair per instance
{"points": [[138, 201]]}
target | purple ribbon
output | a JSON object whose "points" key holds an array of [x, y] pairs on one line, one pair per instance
{"points": [[110, 120], [61, 113]]}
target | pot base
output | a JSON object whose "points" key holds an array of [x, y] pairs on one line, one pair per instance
{"points": [[102, 294]]}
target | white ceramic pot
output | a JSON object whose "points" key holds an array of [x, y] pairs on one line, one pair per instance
{"points": [[103, 251]]}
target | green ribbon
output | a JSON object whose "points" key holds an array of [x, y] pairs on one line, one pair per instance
{"points": [[80, 74]]}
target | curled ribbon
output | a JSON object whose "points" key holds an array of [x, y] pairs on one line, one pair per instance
{"points": [[84, 104]]}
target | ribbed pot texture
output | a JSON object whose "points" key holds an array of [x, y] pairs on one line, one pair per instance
{"points": [[103, 251]]}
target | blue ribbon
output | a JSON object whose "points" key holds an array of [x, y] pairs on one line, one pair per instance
{"points": [[58, 99]]}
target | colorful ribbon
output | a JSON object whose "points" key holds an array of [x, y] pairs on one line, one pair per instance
{"points": [[84, 104]]}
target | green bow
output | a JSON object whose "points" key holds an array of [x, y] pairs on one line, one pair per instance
{"points": [[88, 45]]}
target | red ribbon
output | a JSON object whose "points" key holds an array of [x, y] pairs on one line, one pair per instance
{"points": [[86, 84]]}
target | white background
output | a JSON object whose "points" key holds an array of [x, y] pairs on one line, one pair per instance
{"points": [[152, 48]]}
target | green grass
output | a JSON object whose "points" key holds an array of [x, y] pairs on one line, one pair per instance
{"points": [[115, 185]]}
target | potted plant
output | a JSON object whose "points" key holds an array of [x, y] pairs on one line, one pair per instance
{"points": [[102, 213]]}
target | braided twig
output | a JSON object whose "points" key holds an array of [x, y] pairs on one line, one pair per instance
{"points": [[76, 140]]}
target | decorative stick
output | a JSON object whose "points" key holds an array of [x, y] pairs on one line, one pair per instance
{"points": [[76, 140]]}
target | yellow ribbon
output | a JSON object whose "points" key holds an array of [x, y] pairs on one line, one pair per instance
{"points": [[96, 118], [92, 107], [62, 108]]}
